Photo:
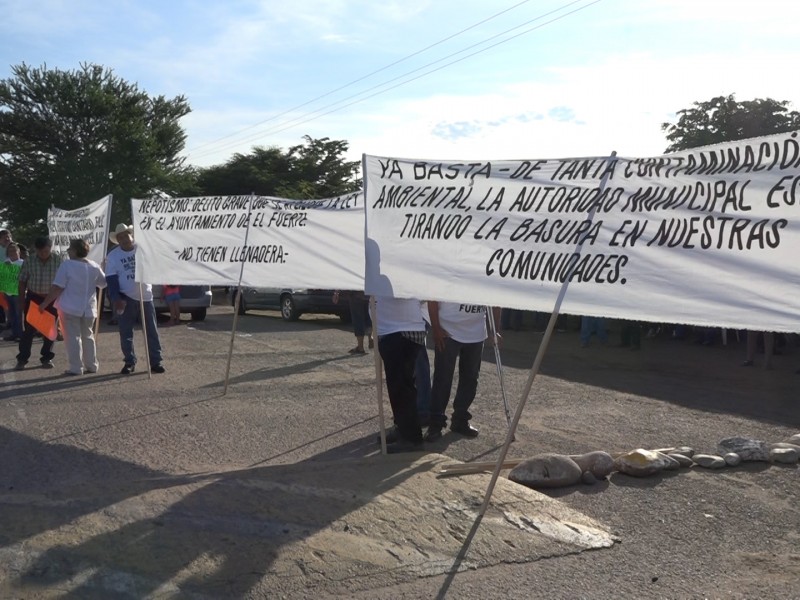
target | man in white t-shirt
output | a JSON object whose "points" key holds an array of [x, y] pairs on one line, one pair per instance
{"points": [[458, 334], [125, 294]]}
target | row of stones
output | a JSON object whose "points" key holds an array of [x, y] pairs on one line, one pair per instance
{"points": [[559, 470]]}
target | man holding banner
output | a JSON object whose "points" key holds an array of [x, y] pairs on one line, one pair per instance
{"points": [[401, 337], [35, 279], [459, 331], [126, 294]]}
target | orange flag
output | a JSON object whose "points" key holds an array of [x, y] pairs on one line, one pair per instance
{"points": [[44, 323]]}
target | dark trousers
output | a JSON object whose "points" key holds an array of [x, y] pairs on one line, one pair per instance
{"points": [[359, 315], [26, 341], [399, 355], [469, 358]]}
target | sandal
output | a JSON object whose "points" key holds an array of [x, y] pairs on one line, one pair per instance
{"points": [[357, 351]]}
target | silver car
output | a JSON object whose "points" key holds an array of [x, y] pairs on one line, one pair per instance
{"points": [[291, 303]]}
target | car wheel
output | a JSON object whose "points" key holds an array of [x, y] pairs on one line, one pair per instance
{"points": [[242, 303], [198, 314], [288, 310]]}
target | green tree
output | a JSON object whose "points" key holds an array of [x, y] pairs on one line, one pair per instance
{"points": [[67, 138], [724, 119], [315, 169]]}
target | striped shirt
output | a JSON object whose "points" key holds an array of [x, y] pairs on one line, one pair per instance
{"points": [[39, 275]]}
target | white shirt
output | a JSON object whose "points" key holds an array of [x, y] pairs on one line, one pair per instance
{"points": [[79, 279], [398, 314], [123, 265], [465, 323]]}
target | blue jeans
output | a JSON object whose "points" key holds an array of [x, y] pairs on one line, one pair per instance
{"points": [[469, 358], [126, 322], [14, 315], [596, 325]]}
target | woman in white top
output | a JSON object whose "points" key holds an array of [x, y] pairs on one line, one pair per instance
{"points": [[75, 291]]}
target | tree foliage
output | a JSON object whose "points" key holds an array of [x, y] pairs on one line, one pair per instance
{"points": [[67, 138], [724, 119], [315, 169]]}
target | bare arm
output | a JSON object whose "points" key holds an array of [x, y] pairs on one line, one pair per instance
{"points": [[439, 334], [54, 293], [497, 338]]}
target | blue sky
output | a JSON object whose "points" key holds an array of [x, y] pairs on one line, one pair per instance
{"points": [[587, 78]]}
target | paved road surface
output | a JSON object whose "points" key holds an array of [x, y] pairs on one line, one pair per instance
{"points": [[133, 487]]}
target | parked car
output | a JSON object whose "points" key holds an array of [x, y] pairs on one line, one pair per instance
{"points": [[291, 303], [195, 300]]}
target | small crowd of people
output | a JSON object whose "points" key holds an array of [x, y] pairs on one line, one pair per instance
{"points": [[68, 290], [418, 401], [459, 333]]}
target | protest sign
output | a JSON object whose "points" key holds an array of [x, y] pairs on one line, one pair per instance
{"points": [[43, 322], [707, 236], [89, 223], [269, 242], [9, 278]]}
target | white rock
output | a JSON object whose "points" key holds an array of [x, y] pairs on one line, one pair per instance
{"points": [[641, 463], [795, 439], [547, 471], [732, 459], [749, 449], [709, 461], [786, 456]]}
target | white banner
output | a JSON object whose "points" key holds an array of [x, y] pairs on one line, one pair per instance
{"points": [[271, 242], [708, 236], [88, 223]]}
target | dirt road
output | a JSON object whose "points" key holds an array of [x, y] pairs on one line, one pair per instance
{"points": [[117, 486]]}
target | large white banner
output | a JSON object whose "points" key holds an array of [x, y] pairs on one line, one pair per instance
{"points": [[708, 237], [269, 242], [88, 223]]}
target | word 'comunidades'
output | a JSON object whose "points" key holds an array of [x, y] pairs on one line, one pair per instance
{"points": [[535, 265]]}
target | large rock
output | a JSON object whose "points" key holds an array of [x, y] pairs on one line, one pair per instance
{"points": [[748, 449], [547, 471], [598, 463], [641, 463]]}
